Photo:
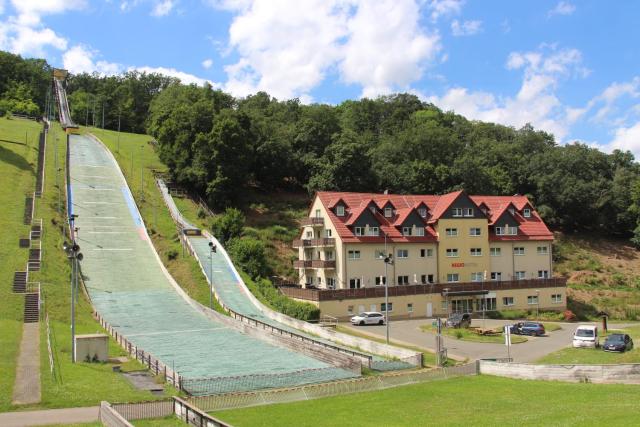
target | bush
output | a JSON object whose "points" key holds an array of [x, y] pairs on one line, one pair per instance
{"points": [[228, 225], [249, 254], [172, 254], [269, 295], [569, 316]]}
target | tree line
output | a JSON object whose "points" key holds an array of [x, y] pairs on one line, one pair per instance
{"points": [[218, 145], [23, 85]]}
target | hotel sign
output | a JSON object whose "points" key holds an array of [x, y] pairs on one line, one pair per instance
{"points": [[457, 264]]}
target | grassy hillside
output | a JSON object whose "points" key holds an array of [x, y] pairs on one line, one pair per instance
{"points": [[603, 273], [18, 157]]}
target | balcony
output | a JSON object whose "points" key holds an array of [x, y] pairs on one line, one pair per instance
{"points": [[315, 263], [309, 243], [312, 222]]}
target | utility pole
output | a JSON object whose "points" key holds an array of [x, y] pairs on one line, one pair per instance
{"points": [[141, 174], [102, 114], [118, 150], [73, 253], [212, 250], [387, 260]]}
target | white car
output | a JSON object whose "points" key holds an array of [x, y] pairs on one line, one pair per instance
{"points": [[368, 318], [586, 336]]}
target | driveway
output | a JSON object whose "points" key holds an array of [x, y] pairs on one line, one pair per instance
{"points": [[408, 331]]}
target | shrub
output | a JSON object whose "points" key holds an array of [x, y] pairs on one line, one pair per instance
{"points": [[201, 213], [268, 294], [172, 254], [569, 316], [249, 254], [228, 225], [459, 334]]}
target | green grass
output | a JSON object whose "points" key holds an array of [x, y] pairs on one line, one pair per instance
{"points": [[572, 355], [184, 269], [18, 163], [477, 401], [464, 334]]}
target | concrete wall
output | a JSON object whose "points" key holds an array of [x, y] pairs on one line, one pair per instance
{"points": [[90, 346], [604, 374]]}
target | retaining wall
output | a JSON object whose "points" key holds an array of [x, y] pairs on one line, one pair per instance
{"points": [[602, 374]]}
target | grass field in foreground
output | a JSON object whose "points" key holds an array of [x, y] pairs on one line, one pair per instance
{"points": [[478, 401], [18, 163], [572, 355]]}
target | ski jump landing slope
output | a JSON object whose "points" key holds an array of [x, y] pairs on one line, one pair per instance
{"points": [[131, 289]]}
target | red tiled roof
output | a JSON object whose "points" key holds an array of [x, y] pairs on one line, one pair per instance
{"points": [[532, 228]]}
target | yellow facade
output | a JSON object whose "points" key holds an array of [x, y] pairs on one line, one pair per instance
{"points": [[464, 264]]}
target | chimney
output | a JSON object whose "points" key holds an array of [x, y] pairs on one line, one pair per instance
{"points": [[386, 191]]}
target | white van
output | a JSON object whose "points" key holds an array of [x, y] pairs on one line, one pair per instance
{"points": [[586, 336]]}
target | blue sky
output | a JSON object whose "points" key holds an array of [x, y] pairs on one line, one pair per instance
{"points": [[569, 67]]}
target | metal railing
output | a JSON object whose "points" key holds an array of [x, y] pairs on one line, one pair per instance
{"points": [[326, 241], [315, 221], [190, 414]]}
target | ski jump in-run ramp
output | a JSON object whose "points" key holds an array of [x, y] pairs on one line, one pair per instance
{"points": [[132, 291]]}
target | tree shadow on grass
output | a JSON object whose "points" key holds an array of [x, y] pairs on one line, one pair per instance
{"points": [[12, 158], [12, 142]]}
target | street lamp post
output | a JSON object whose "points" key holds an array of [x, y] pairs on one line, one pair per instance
{"points": [[387, 261], [73, 253], [141, 174], [213, 249], [537, 304]]}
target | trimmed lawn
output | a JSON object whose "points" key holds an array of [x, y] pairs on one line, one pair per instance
{"points": [[464, 334], [478, 401], [572, 355], [18, 164]]}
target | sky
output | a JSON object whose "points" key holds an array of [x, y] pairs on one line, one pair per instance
{"points": [[570, 67]]}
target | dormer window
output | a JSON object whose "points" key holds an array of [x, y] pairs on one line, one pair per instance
{"points": [[526, 213], [512, 211], [372, 209], [358, 231], [373, 231], [388, 212], [340, 210], [419, 231], [422, 212], [468, 211], [457, 212], [406, 231]]}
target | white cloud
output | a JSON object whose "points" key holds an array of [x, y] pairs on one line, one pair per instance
{"points": [[535, 102], [30, 11], [609, 97], [443, 8], [562, 8], [80, 59], [627, 138], [207, 63], [386, 49], [287, 47], [163, 8], [1, 7], [466, 28], [185, 78]]}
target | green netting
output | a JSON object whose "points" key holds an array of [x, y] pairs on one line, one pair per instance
{"points": [[129, 289]]}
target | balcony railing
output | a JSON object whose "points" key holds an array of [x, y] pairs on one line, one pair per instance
{"points": [[308, 243], [403, 290], [313, 222], [315, 263]]}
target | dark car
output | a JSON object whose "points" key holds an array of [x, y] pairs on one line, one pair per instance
{"points": [[528, 328], [459, 320], [618, 342]]}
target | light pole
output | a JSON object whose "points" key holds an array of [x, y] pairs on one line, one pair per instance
{"points": [[118, 150], [387, 260], [537, 304], [141, 174], [73, 253], [213, 249]]}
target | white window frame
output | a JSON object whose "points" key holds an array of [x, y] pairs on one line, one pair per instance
{"points": [[457, 212], [331, 282], [353, 254], [403, 252], [451, 232], [380, 280], [452, 253], [532, 299], [498, 231], [496, 276], [542, 250], [477, 276], [526, 212], [357, 280], [543, 274], [518, 250], [495, 251], [358, 231], [383, 306], [468, 212], [556, 298], [520, 275], [406, 231], [327, 233], [373, 231], [388, 212], [475, 251], [409, 307], [472, 231], [453, 277], [403, 282], [422, 212], [340, 210], [420, 231], [508, 301]]}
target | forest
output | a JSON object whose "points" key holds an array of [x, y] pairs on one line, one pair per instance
{"points": [[217, 145]]}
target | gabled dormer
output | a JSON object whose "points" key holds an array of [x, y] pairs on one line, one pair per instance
{"points": [[423, 210], [461, 206], [363, 222], [338, 207], [527, 211], [410, 223], [484, 209], [373, 207], [505, 222], [388, 210]]}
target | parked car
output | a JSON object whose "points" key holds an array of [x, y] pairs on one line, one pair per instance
{"points": [[368, 318], [528, 328], [618, 342], [459, 320], [586, 336]]}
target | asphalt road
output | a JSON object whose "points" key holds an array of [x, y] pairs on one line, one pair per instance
{"points": [[408, 331]]}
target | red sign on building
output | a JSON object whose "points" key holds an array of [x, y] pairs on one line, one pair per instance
{"points": [[457, 264]]}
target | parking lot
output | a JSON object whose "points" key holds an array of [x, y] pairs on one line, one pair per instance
{"points": [[409, 332]]}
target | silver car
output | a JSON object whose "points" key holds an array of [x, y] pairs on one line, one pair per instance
{"points": [[368, 318]]}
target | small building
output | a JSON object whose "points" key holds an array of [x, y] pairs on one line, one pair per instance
{"points": [[439, 254]]}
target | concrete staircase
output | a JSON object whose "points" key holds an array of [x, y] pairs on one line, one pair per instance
{"points": [[20, 281], [31, 307]]}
